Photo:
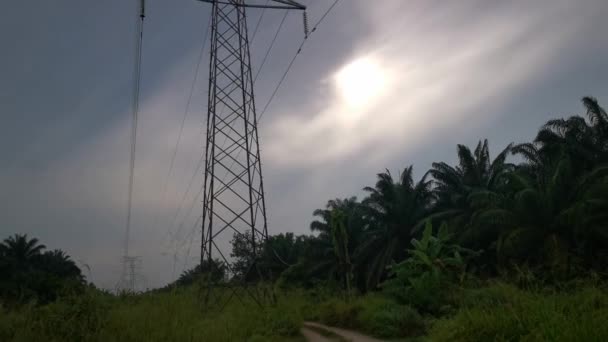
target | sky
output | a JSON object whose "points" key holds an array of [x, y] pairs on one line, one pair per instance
{"points": [[379, 85]]}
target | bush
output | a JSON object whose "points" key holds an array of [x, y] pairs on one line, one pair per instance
{"points": [[373, 314], [503, 312], [382, 317], [429, 277], [283, 320], [76, 318], [11, 322], [339, 312], [173, 316]]}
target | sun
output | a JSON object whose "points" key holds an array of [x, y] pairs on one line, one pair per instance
{"points": [[361, 82]]}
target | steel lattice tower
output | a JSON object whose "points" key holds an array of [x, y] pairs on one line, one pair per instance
{"points": [[233, 200]]}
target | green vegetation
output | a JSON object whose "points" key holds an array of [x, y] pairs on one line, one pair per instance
{"points": [[173, 316], [505, 313], [488, 249], [31, 274]]}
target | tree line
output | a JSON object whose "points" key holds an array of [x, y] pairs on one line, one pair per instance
{"points": [[537, 208], [29, 272]]}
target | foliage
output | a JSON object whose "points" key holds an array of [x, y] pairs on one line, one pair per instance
{"points": [[539, 224], [383, 317], [373, 314], [504, 313], [394, 210], [340, 246], [32, 274], [427, 276], [457, 188], [214, 271], [319, 260], [168, 316], [244, 255]]}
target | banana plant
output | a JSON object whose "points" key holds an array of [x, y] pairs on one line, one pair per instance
{"points": [[434, 263]]}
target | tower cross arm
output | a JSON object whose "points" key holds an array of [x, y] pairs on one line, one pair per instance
{"points": [[277, 4]]}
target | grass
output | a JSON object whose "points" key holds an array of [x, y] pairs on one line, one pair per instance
{"points": [[505, 313], [175, 316], [373, 314], [495, 312]]}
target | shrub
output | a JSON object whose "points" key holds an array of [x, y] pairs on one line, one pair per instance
{"points": [[373, 314], [426, 279], [384, 318], [11, 322], [75, 318], [495, 294], [281, 322], [339, 313], [503, 312]]}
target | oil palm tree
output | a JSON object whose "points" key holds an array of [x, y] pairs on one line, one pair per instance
{"points": [[333, 247], [544, 222], [20, 249], [586, 142], [393, 209], [340, 239], [57, 262], [458, 189]]}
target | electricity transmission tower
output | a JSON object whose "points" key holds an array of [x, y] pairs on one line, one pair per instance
{"points": [[131, 269], [131, 264], [233, 203]]}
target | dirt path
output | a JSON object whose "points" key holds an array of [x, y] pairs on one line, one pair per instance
{"points": [[311, 333], [313, 336]]}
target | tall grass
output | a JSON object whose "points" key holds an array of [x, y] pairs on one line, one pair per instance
{"points": [[373, 314], [505, 313], [497, 312], [175, 316]]}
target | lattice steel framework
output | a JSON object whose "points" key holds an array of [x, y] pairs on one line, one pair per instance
{"points": [[233, 200]]}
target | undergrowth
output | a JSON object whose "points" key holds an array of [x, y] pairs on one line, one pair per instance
{"points": [[175, 316], [493, 312], [505, 313]]}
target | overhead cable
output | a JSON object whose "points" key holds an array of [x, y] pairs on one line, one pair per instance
{"points": [[188, 102], [134, 119]]}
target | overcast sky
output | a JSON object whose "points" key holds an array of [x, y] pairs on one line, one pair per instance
{"points": [[380, 84]]}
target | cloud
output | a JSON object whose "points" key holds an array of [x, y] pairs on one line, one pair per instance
{"points": [[443, 68]]}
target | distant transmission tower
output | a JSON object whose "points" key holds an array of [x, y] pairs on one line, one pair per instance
{"points": [[233, 200], [130, 274], [131, 264]]}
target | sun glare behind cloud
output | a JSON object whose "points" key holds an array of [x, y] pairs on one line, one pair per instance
{"points": [[361, 82]]}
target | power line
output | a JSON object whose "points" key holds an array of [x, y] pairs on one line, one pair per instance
{"points": [[190, 183], [188, 212], [259, 70], [176, 146], [290, 64], [276, 89], [255, 78], [257, 25], [270, 47], [179, 207], [190, 239], [314, 28], [136, 91], [128, 262], [181, 128], [278, 85], [187, 238]]}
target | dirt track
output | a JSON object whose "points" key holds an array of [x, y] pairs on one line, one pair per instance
{"points": [[311, 331]]}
